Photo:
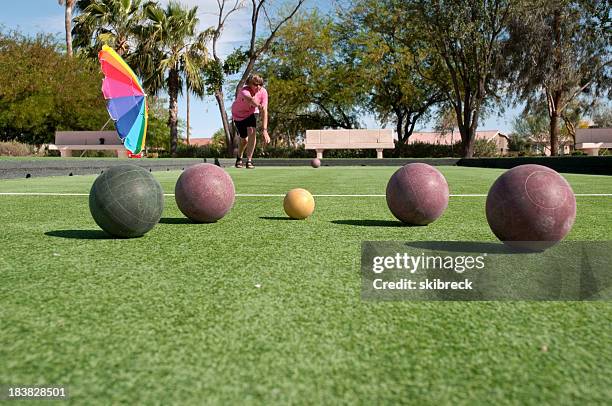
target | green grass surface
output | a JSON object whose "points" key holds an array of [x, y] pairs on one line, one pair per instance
{"points": [[257, 309]]}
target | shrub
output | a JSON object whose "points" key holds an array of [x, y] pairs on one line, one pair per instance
{"points": [[485, 148], [14, 148], [482, 148], [519, 144], [94, 154], [424, 150], [284, 152], [197, 151]]}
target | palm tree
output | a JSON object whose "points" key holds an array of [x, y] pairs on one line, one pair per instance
{"points": [[68, 23], [171, 54], [111, 22]]}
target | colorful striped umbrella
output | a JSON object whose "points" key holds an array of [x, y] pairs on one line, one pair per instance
{"points": [[126, 100]]}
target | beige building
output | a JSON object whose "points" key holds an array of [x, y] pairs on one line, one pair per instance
{"points": [[591, 140], [542, 146], [429, 137]]}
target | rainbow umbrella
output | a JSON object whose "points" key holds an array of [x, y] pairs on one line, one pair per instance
{"points": [[126, 100]]}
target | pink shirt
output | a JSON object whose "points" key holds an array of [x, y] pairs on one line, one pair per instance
{"points": [[241, 108]]}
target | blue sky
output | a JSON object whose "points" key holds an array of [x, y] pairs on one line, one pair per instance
{"points": [[31, 16]]}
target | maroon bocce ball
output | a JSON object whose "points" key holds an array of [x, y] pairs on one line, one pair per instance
{"points": [[315, 163], [417, 194], [531, 207], [204, 193]]}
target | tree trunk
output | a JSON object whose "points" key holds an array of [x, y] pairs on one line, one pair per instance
{"points": [[554, 133], [120, 45], [229, 138], [399, 128], [571, 129], [554, 104], [68, 26], [468, 135], [467, 122], [467, 146], [173, 84], [407, 126], [188, 121]]}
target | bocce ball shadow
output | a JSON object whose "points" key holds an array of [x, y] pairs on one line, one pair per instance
{"points": [[375, 223], [277, 218], [81, 234], [176, 220], [467, 247]]}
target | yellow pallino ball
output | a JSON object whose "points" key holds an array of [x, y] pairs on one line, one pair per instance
{"points": [[298, 203]]}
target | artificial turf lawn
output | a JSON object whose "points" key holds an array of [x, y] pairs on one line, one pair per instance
{"points": [[260, 309]]}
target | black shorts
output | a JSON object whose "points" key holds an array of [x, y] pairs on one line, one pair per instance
{"points": [[242, 125]]}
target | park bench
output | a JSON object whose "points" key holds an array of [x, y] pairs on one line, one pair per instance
{"points": [[68, 141], [320, 140]]}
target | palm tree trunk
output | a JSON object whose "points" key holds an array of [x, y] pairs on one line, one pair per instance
{"points": [[68, 25], [188, 129], [173, 83]]}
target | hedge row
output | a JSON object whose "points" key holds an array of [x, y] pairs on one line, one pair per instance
{"points": [[594, 165], [414, 150]]}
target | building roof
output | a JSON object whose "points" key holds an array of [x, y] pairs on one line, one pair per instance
{"points": [[594, 135], [200, 141]]}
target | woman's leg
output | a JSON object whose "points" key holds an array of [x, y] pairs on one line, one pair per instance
{"points": [[252, 138], [242, 147]]}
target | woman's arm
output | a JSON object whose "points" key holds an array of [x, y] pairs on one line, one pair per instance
{"points": [[264, 121], [251, 100]]}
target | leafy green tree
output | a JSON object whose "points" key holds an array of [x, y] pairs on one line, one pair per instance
{"points": [[305, 72], [518, 144], [374, 39], [558, 51], [532, 127], [602, 116], [446, 119], [172, 52], [460, 43], [573, 116], [158, 132], [41, 90], [111, 22], [217, 69], [69, 6], [218, 139]]}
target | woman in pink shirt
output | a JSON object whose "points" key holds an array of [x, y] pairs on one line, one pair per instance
{"points": [[252, 98]]}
